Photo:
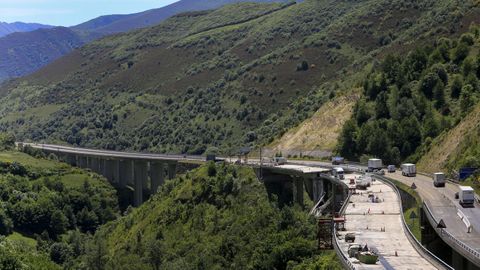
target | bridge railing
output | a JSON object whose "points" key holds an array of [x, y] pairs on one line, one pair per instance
{"points": [[413, 240], [347, 264], [449, 237]]}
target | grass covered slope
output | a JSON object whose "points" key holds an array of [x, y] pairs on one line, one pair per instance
{"points": [[318, 134], [215, 217], [242, 74]]}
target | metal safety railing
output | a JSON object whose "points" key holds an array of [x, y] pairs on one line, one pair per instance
{"points": [[336, 244], [427, 254]]}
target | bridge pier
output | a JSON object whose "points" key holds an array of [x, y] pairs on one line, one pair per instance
{"points": [[298, 190], [157, 175], [116, 171], [126, 173], [94, 164], [101, 166], [82, 161], [141, 176], [110, 167], [172, 170]]}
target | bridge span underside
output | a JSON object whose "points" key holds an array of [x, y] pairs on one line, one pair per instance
{"points": [[291, 184], [142, 175]]}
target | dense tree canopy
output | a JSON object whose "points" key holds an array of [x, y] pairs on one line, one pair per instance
{"points": [[409, 101]]}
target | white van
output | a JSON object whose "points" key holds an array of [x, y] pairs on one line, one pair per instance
{"points": [[339, 173]]}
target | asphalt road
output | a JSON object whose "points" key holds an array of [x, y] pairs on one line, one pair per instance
{"points": [[443, 204]]}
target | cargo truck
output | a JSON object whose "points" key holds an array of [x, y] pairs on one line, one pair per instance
{"points": [[363, 182], [439, 179], [374, 164], [338, 160], [466, 196], [409, 169]]}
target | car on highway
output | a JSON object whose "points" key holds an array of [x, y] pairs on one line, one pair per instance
{"points": [[391, 168]]}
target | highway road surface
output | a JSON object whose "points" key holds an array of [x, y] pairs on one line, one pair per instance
{"points": [[367, 220], [443, 204]]}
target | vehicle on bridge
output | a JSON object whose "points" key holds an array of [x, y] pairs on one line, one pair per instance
{"points": [[409, 169], [339, 173], [338, 160], [439, 179], [280, 160], [363, 182], [466, 196], [374, 164]]}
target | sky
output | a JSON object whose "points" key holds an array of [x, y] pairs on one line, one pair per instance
{"points": [[70, 12]]}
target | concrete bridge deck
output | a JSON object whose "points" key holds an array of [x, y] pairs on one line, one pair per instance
{"points": [[367, 220], [114, 154], [443, 205]]}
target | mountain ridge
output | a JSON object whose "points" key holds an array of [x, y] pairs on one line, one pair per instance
{"points": [[9, 28]]}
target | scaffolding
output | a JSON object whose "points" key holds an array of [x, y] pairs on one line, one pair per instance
{"points": [[325, 233]]}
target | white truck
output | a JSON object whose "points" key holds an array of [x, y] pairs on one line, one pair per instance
{"points": [[374, 164], [364, 181], [409, 169], [466, 196], [439, 179], [280, 160], [338, 172]]}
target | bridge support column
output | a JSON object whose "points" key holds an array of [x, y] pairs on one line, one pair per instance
{"points": [[82, 161], [110, 169], [317, 188], [157, 175], [116, 171], [141, 176], [94, 164], [298, 190], [172, 170], [71, 159], [126, 172], [101, 166]]}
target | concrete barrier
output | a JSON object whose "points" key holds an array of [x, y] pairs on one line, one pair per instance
{"points": [[465, 220], [427, 254]]}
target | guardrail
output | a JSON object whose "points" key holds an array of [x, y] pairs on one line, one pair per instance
{"points": [[413, 240], [343, 258], [465, 220], [449, 237], [336, 244]]}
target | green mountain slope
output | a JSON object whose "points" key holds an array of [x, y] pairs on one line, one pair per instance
{"points": [[22, 54], [411, 100], [216, 217], [48, 208], [238, 75]]}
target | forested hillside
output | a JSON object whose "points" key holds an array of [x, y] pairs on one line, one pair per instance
{"points": [[48, 209], [215, 217], [409, 100], [241, 75]]}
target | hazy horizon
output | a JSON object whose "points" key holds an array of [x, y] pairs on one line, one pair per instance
{"points": [[71, 12]]}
